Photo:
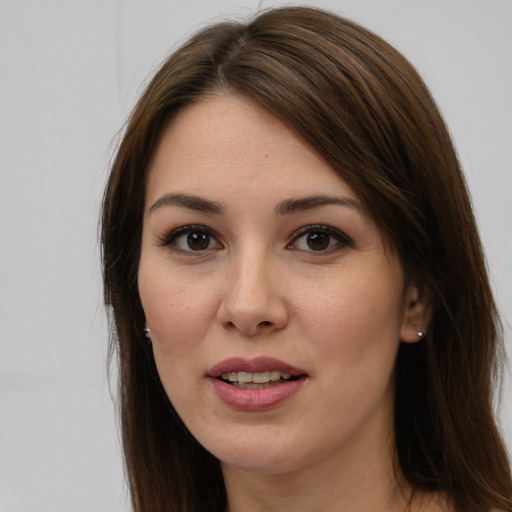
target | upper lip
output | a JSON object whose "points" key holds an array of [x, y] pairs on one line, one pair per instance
{"points": [[258, 364]]}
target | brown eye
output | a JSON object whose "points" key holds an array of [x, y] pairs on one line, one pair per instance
{"points": [[318, 238], [191, 239], [318, 241], [198, 241]]}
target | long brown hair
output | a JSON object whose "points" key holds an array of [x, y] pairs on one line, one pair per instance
{"points": [[361, 106]]}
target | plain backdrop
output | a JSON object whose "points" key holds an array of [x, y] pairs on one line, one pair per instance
{"points": [[70, 71]]}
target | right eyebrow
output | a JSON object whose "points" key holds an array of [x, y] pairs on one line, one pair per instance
{"points": [[187, 201]]}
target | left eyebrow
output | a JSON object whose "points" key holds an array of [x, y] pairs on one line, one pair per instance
{"points": [[311, 202]]}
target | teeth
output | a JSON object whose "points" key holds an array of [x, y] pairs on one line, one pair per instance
{"points": [[244, 377], [251, 385], [275, 375], [256, 378], [260, 378]]}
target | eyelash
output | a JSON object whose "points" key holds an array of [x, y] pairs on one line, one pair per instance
{"points": [[171, 238], [342, 240]]}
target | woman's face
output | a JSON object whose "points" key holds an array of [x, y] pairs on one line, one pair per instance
{"points": [[274, 307]]}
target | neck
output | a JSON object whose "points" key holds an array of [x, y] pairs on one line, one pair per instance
{"points": [[313, 493], [344, 480], [332, 493], [371, 482]]}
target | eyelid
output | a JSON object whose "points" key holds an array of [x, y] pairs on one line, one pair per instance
{"points": [[171, 236], [343, 239]]}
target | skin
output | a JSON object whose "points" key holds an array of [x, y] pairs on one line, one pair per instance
{"points": [[258, 289]]}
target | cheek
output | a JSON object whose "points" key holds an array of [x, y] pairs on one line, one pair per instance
{"points": [[179, 316], [178, 313], [356, 319]]}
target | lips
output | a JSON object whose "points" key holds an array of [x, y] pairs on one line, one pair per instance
{"points": [[255, 384], [257, 365], [248, 380]]}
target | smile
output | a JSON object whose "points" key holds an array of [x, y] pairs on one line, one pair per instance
{"points": [[256, 380], [255, 384]]}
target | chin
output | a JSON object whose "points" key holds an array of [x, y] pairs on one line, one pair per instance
{"points": [[259, 465], [253, 454]]}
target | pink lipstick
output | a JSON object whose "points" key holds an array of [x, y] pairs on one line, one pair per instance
{"points": [[255, 384]]}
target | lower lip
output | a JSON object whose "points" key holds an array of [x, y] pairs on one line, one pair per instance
{"points": [[256, 399]]}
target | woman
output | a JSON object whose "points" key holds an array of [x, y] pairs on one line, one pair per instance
{"points": [[301, 309]]}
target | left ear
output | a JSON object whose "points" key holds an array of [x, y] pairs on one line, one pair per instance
{"points": [[417, 314]]}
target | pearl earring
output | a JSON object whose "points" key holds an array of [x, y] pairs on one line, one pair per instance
{"points": [[419, 333]]}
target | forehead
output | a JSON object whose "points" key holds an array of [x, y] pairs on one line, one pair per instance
{"points": [[227, 143]]}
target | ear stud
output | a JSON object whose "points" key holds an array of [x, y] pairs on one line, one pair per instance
{"points": [[420, 334]]}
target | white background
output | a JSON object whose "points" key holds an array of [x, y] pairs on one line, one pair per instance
{"points": [[70, 72]]}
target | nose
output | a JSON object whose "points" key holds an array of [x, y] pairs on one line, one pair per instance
{"points": [[252, 301]]}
